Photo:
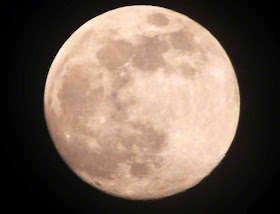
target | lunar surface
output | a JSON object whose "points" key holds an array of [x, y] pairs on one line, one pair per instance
{"points": [[142, 102]]}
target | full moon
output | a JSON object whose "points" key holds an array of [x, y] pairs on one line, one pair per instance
{"points": [[142, 102]]}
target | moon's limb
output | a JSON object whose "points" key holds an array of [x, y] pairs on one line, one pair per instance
{"points": [[142, 102]]}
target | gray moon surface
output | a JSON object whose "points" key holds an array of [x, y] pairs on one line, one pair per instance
{"points": [[142, 102]]}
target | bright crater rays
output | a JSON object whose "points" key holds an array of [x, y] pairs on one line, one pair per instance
{"points": [[142, 102]]}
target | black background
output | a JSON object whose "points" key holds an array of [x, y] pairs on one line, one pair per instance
{"points": [[37, 180]]}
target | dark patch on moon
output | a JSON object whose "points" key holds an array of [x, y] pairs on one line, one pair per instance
{"points": [[187, 71], [184, 41], [114, 54], [73, 92], [120, 106], [95, 96], [151, 140], [139, 170], [148, 54], [77, 99], [146, 138], [121, 81], [158, 19]]}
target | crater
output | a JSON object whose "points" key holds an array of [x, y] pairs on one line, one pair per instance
{"points": [[148, 54], [158, 19], [114, 54]]}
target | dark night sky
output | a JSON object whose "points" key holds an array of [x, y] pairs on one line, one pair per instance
{"points": [[37, 179]]}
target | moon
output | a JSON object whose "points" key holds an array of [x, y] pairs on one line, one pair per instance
{"points": [[142, 102]]}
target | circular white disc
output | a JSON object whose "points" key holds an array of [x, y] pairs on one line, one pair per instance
{"points": [[142, 102]]}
